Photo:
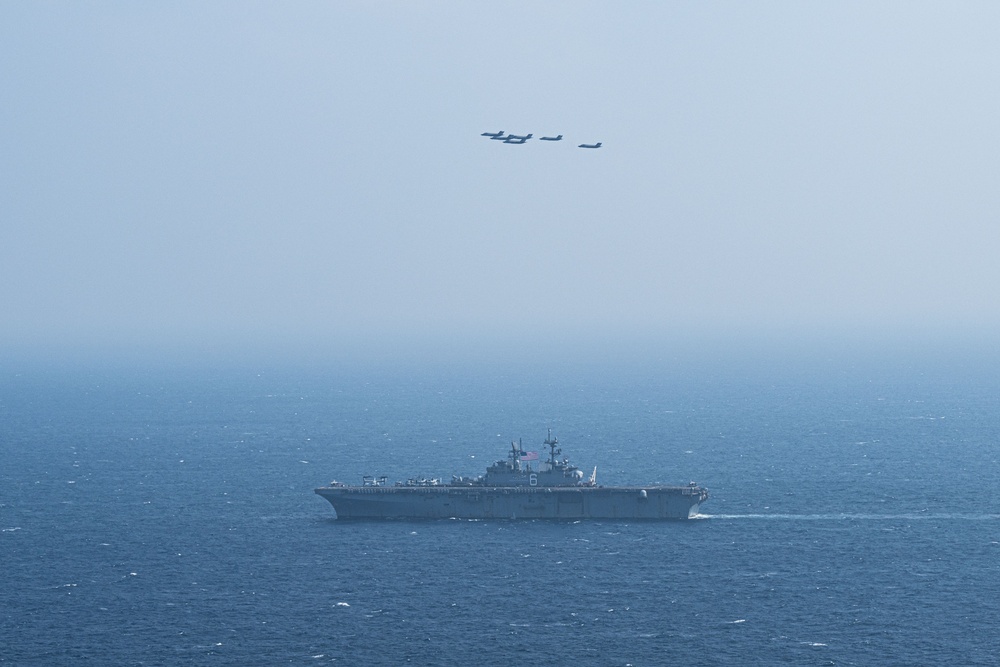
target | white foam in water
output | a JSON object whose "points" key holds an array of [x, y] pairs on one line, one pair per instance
{"points": [[854, 517]]}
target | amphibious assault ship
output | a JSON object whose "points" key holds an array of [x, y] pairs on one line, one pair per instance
{"points": [[514, 489]]}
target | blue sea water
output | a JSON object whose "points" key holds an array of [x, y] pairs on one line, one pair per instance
{"points": [[160, 517]]}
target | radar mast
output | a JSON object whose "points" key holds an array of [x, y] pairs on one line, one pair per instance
{"points": [[553, 450]]}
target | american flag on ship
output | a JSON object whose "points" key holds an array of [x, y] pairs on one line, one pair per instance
{"points": [[529, 456]]}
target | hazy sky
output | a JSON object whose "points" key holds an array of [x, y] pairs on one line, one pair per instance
{"points": [[310, 174]]}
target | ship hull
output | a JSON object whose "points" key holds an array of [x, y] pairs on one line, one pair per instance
{"points": [[444, 502]]}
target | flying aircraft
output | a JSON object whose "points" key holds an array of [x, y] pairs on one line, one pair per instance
{"points": [[492, 135], [597, 145], [514, 139], [559, 138]]}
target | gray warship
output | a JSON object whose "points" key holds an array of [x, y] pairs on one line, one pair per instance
{"points": [[514, 489]]}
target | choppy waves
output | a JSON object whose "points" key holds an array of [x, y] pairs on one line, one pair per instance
{"points": [[230, 558]]}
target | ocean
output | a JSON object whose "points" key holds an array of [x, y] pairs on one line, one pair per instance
{"points": [[166, 516]]}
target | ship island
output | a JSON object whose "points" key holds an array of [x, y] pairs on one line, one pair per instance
{"points": [[519, 487]]}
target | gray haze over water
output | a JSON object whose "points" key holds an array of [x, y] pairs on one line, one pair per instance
{"points": [[309, 178]]}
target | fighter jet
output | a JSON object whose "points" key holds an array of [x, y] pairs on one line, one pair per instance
{"points": [[597, 145], [492, 135], [559, 138], [514, 139]]}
